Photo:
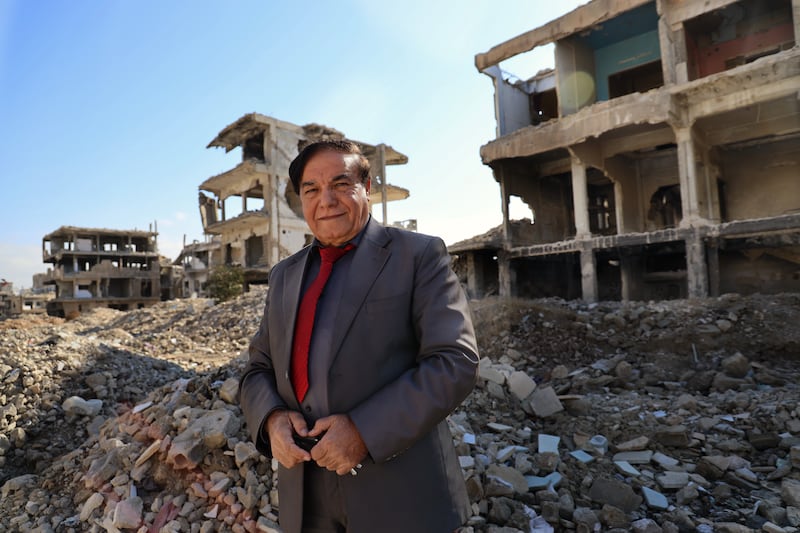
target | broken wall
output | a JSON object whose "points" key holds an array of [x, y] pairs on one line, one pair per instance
{"points": [[775, 191]]}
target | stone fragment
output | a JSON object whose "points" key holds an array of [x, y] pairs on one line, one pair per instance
{"points": [[103, 468], [229, 391], [93, 502], [637, 444], [642, 457], [614, 517], [614, 492], [544, 402], [626, 468], [645, 525], [496, 426], [731, 527], [665, 461], [790, 492], [673, 436], [208, 432], [75, 405], [521, 385], [128, 513], [736, 365], [148, 452], [585, 519], [265, 525], [552, 480], [687, 494], [654, 499], [487, 371], [245, 451], [723, 382], [763, 441], [672, 480], [770, 527], [508, 476], [793, 515], [548, 443], [582, 456]]}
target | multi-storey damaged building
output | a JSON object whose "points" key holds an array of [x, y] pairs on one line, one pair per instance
{"points": [[252, 212], [660, 157], [93, 267]]}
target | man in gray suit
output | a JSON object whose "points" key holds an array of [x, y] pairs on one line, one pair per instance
{"points": [[355, 413]]}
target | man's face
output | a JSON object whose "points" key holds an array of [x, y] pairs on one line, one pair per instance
{"points": [[335, 202]]}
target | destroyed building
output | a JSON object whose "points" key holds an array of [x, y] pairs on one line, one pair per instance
{"points": [[100, 268], [660, 157], [251, 213]]}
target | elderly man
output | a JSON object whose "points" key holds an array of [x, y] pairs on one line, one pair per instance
{"points": [[365, 346]]}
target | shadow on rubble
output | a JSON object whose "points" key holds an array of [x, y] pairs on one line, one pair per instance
{"points": [[117, 377]]}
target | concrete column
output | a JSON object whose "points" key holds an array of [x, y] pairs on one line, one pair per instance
{"points": [[687, 171], [504, 276], [580, 199], [588, 273], [696, 271], [713, 267], [475, 282], [628, 276], [505, 198], [796, 20]]}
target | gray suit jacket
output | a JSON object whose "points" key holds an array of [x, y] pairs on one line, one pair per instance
{"points": [[404, 357]]}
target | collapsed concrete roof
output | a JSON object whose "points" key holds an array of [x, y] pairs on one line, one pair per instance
{"points": [[70, 230], [254, 124]]}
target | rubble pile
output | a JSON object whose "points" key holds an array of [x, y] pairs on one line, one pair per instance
{"points": [[644, 416]]}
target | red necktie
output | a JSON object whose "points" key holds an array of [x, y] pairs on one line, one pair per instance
{"points": [[305, 318]]}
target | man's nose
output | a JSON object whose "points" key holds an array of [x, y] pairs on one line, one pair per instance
{"points": [[328, 195]]}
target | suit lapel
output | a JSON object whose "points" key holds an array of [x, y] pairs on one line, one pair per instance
{"points": [[370, 257], [292, 285]]}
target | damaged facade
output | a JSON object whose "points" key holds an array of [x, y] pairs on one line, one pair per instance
{"points": [[660, 157], [100, 268], [251, 213]]}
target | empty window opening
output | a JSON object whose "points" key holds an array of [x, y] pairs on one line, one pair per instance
{"points": [[519, 210], [254, 250], [602, 218], [544, 106], [738, 34], [665, 207], [254, 204], [636, 80], [253, 148]]}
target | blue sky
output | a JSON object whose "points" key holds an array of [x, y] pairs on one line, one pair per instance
{"points": [[106, 108]]}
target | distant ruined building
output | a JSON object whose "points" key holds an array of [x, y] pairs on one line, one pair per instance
{"points": [[660, 158], [98, 267], [251, 214]]}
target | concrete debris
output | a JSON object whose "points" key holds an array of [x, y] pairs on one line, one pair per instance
{"points": [[663, 449]]}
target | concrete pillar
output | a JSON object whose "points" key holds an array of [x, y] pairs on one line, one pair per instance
{"points": [[505, 198], [628, 276], [796, 20], [687, 171], [475, 282], [504, 275], [713, 267], [696, 271], [580, 199], [588, 273]]}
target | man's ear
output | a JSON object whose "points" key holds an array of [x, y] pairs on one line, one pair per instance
{"points": [[367, 185]]}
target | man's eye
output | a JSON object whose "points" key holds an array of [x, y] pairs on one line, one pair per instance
{"points": [[309, 191], [342, 186]]}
